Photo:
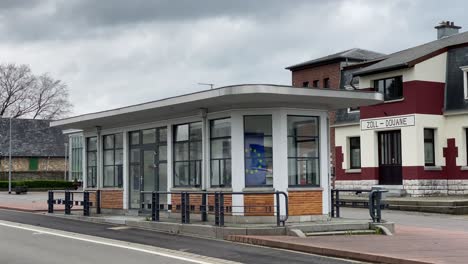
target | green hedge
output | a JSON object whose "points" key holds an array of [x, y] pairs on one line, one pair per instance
{"points": [[37, 184]]}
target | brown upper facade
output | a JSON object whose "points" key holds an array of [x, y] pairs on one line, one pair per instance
{"points": [[325, 72]]}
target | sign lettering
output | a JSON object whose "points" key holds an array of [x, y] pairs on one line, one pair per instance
{"points": [[391, 122]]}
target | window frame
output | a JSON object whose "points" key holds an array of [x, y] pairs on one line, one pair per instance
{"points": [[224, 160], [93, 167], [266, 158], [432, 140], [326, 82], [198, 162], [297, 158], [466, 144], [465, 81], [316, 83], [351, 148], [76, 157], [376, 88], [118, 183]]}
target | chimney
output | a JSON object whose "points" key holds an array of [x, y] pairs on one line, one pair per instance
{"points": [[446, 28]]}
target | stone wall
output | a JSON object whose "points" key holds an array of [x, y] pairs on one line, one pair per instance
{"points": [[22, 164], [48, 169], [419, 188], [356, 185]]}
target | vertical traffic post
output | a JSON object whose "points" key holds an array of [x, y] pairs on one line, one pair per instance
{"points": [[337, 203], [221, 209], [50, 202], [182, 207], [216, 208], [67, 203], [187, 208], [333, 203], [98, 201], [86, 203], [204, 207], [278, 206]]}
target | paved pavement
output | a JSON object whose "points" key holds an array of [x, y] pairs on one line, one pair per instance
{"points": [[205, 247], [31, 201], [414, 219], [419, 238]]}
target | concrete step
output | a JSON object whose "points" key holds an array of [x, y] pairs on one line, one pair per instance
{"points": [[341, 233], [332, 226]]}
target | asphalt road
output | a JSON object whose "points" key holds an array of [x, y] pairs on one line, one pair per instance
{"points": [[204, 247], [28, 246]]}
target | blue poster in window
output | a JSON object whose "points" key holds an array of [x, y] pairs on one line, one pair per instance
{"points": [[255, 163]]}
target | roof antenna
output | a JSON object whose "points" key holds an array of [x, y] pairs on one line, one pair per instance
{"points": [[209, 84]]}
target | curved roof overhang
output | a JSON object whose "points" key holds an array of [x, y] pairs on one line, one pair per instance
{"points": [[220, 99]]}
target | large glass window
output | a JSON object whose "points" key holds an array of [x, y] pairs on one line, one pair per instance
{"points": [[355, 152], [303, 151], [392, 88], [429, 150], [187, 154], [258, 148], [76, 158], [91, 162], [113, 160], [220, 149]]}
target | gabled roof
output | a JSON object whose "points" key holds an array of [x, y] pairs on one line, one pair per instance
{"points": [[409, 57], [31, 138], [355, 55]]}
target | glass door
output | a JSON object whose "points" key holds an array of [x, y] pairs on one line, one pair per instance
{"points": [[148, 166]]}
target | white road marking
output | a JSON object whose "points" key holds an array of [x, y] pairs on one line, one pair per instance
{"points": [[174, 254], [119, 228]]}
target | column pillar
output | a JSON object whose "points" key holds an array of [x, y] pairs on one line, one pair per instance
{"points": [[237, 162]]}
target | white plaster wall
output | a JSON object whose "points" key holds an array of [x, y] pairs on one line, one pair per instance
{"points": [[237, 161], [412, 141], [432, 70], [455, 128], [342, 135], [434, 122]]}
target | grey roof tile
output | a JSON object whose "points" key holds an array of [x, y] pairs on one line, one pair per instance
{"points": [[405, 57], [351, 54], [31, 138]]}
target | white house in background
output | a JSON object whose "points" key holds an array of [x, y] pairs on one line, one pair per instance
{"points": [[237, 138]]}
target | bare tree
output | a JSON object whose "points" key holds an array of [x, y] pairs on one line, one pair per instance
{"points": [[23, 94]]}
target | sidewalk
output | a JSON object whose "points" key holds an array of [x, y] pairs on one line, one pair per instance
{"points": [[30, 202], [457, 205], [409, 245]]}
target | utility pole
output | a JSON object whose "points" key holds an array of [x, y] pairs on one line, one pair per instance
{"points": [[9, 163]]}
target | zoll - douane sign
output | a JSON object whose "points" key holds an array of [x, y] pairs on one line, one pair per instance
{"points": [[390, 122]]}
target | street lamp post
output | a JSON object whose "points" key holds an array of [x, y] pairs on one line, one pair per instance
{"points": [[9, 163]]}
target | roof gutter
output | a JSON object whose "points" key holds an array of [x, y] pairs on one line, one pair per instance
{"points": [[380, 70]]}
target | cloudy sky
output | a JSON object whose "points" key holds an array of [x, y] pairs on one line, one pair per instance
{"points": [[121, 52]]}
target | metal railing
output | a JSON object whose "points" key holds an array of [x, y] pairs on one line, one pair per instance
{"points": [[69, 201], [218, 207], [374, 202]]}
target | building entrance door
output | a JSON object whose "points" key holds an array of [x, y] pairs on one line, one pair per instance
{"points": [[390, 170], [148, 167]]}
